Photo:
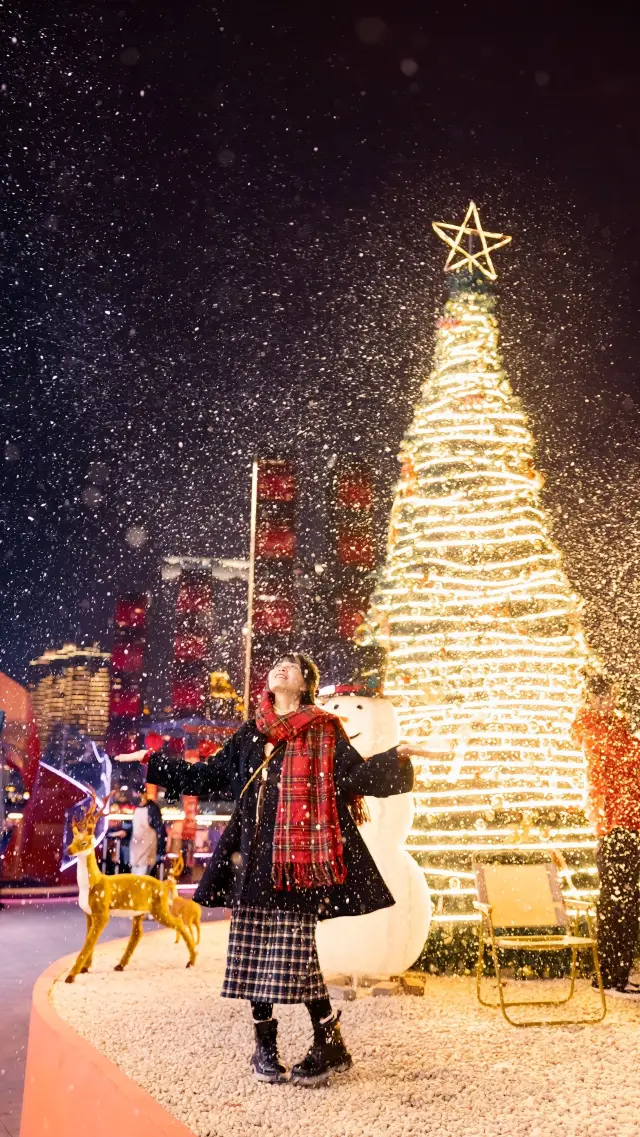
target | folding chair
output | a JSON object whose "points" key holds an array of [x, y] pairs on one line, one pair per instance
{"points": [[529, 896]]}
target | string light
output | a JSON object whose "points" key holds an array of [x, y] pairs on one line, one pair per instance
{"points": [[480, 625]]}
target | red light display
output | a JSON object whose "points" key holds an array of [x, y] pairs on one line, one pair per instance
{"points": [[276, 540], [130, 613], [193, 597], [121, 742], [127, 658], [350, 616], [355, 491], [189, 646], [355, 549], [274, 615], [276, 481], [125, 704], [187, 695]]}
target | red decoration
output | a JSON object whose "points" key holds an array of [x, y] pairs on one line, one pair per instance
{"points": [[189, 646], [207, 748], [21, 746], [187, 695], [124, 704], [474, 399], [276, 481], [190, 824], [193, 597], [275, 540], [131, 612], [36, 840], [127, 657], [350, 617], [273, 615], [355, 491], [355, 549], [153, 741], [121, 742]]}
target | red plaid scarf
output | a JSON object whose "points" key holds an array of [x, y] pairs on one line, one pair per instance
{"points": [[307, 840]]}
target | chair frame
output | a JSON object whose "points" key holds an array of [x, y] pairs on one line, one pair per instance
{"points": [[573, 909]]}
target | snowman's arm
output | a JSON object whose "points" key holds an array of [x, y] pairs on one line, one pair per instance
{"points": [[381, 776]]}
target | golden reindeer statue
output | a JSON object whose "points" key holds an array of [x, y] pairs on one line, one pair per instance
{"points": [[101, 897], [189, 911]]}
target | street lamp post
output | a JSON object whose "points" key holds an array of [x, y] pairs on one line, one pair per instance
{"points": [[250, 591]]}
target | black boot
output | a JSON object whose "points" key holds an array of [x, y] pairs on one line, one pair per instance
{"points": [[265, 1063], [327, 1056]]}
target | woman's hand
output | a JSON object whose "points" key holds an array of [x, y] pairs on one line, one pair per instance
{"points": [[136, 756], [407, 750]]}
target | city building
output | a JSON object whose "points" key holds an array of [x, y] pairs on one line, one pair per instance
{"points": [[275, 615], [127, 672], [196, 618], [71, 685]]}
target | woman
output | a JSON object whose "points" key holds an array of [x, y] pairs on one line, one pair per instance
{"points": [[290, 855], [143, 847]]}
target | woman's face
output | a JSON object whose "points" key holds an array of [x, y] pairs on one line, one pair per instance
{"points": [[285, 675], [604, 704]]}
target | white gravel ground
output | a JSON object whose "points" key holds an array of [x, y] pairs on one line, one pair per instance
{"points": [[438, 1066]]}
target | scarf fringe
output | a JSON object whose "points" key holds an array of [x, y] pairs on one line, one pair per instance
{"points": [[327, 873], [359, 810]]}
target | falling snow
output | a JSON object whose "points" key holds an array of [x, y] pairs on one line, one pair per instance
{"points": [[242, 259]]}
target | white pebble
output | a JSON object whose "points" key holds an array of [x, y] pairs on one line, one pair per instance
{"points": [[440, 1066]]}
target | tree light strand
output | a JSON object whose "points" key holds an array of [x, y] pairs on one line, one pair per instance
{"points": [[479, 623]]}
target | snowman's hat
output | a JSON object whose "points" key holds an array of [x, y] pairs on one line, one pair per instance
{"points": [[358, 690]]}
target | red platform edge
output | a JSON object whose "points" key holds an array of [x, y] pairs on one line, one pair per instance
{"points": [[71, 1088]]}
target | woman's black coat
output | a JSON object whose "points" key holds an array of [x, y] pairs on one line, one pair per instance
{"points": [[240, 869]]}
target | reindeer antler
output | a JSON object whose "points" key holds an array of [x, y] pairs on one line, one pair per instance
{"points": [[90, 818]]}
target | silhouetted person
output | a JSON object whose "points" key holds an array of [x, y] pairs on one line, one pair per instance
{"points": [[613, 758]]}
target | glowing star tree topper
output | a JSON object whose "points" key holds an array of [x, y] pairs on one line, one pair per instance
{"points": [[477, 620], [461, 257]]}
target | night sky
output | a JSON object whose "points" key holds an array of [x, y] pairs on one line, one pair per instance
{"points": [[216, 238]]}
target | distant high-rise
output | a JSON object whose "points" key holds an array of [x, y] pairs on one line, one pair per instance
{"points": [[275, 615], [71, 685], [195, 635], [352, 556], [127, 674]]}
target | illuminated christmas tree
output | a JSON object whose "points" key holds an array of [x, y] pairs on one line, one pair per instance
{"points": [[478, 621]]}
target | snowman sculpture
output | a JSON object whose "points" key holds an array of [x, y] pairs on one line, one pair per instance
{"points": [[389, 941]]}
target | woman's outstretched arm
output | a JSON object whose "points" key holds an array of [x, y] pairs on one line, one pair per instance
{"points": [[381, 776], [205, 779]]}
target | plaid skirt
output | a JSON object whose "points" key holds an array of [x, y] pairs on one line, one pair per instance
{"points": [[272, 957]]}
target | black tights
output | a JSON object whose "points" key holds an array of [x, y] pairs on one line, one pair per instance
{"points": [[319, 1009]]}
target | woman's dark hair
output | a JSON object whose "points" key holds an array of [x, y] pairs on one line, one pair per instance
{"points": [[310, 674], [597, 684]]}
